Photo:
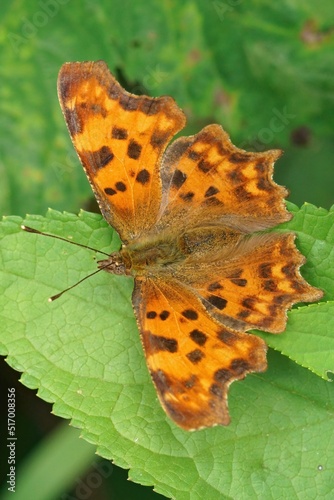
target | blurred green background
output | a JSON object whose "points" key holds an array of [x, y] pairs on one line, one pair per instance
{"points": [[263, 70]]}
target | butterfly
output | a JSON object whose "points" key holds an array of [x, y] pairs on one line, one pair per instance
{"points": [[191, 216]]}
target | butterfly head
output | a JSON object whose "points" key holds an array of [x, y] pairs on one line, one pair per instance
{"points": [[115, 264]]}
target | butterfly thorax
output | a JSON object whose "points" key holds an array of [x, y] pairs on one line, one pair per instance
{"points": [[154, 253]]}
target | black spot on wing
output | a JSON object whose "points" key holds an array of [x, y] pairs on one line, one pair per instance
{"points": [[101, 158], [236, 177], [289, 270], [143, 176], [198, 337], [110, 191], [160, 343], [265, 270], [178, 178], [270, 285], [164, 315], [218, 302], [214, 286], [204, 166], [134, 149], [249, 302], [190, 314], [212, 190], [263, 184], [119, 133], [239, 281], [120, 186], [151, 315], [187, 196], [194, 155], [195, 356], [242, 194]]}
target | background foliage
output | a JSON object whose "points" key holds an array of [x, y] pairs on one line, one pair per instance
{"points": [[260, 69]]}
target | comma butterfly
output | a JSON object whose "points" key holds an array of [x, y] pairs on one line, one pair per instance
{"points": [[186, 214]]}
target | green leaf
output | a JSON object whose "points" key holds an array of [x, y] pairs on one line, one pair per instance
{"points": [[83, 353]]}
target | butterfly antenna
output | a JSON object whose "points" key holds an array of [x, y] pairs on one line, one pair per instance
{"points": [[35, 231], [54, 297]]}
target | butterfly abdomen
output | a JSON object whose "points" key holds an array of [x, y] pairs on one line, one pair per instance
{"points": [[207, 240]]}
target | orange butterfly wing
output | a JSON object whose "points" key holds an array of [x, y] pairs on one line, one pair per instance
{"points": [[253, 285], [206, 178], [192, 358], [119, 138]]}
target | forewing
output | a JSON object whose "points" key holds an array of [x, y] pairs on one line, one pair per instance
{"points": [[119, 138]]}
